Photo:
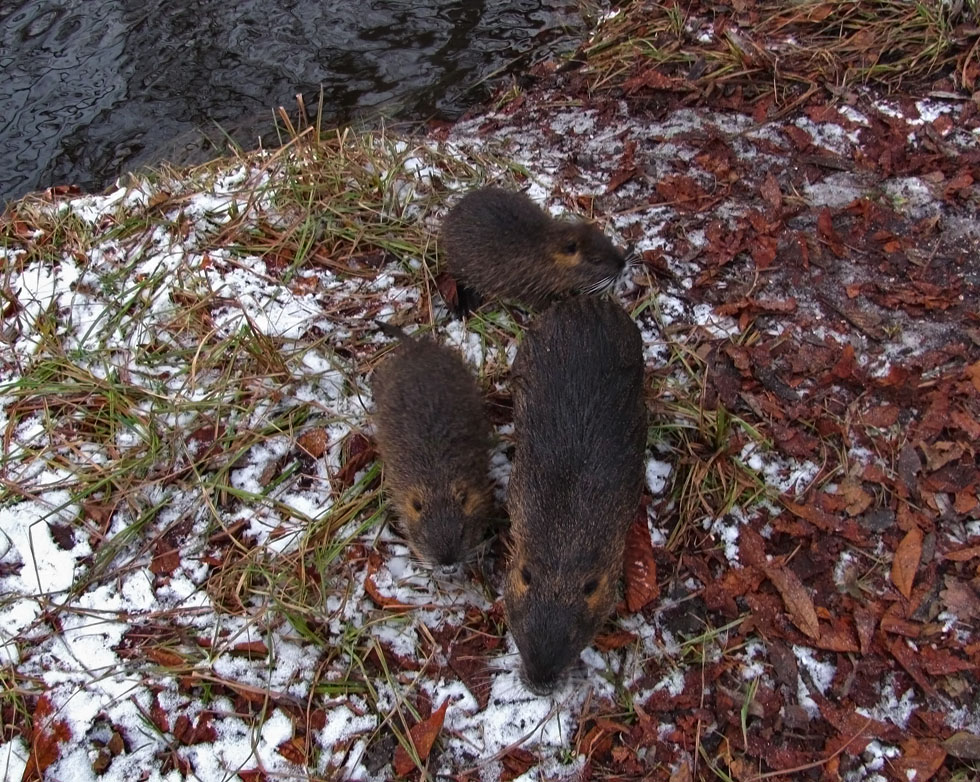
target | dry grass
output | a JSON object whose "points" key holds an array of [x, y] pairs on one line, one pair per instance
{"points": [[784, 51]]}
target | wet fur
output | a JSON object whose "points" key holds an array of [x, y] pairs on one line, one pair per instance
{"points": [[499, 243], [434, 439], [580, 426]]}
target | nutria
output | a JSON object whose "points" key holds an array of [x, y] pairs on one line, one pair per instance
{"points": [[580, 429], [500, 243], [434, 440]]}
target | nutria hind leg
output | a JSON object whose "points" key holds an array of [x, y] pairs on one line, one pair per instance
{"points": [[467, 300]]}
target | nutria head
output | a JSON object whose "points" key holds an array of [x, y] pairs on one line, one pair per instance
{"points": [[585, 258], [444, 521], [555, 605]]}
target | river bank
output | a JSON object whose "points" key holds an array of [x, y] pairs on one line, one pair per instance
{"points": [[200, 577]]}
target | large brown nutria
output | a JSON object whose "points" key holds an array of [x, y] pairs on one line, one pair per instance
{"points": [[434, 439], [499, 243], [580, 429]]}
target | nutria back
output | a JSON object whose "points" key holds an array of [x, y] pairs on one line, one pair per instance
{"points": [[502, 245], [434, 439], [580, 428]]}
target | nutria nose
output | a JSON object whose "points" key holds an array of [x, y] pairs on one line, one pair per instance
{"points": [[449, 570], [541, 677]]}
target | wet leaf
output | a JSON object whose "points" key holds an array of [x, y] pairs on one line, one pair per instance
{"points": [[423, 736], [358, 453], [825, 226], [517, 762], [920, 759], [250, 649], [639, 567], [906, 561], [797, 600], [448, 289], [164, 657], [962, 598], [617, 639], [313, 442], [770, 191], [973, 373], [294, 750], [166, 559], [47, 736]]}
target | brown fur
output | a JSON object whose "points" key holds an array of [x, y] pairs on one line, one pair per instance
{"points": [[499, 243], [434, 438], [580, 427]]}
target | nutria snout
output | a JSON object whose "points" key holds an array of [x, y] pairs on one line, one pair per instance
{"points": [[501, 244], [434, 439], [580, 429]]}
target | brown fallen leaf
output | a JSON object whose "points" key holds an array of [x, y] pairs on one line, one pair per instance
{"points": [[166, 559], [920, 759], [250, 649], [627, 168], [963, 745], [313, 442], [963, 554], [517, 762], [294, 750], [856, 498], [164, 657], [770, 191], [797, 600], [357, 453], [423, 736], [47, 736], [639, 567], [973, 373], [825, 227], [906, 561], [383, 600], [683, 773], [448, 289], [616, 639], [962, 598]]}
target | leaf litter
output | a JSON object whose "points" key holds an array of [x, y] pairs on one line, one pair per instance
{"points": [[198, 573]]}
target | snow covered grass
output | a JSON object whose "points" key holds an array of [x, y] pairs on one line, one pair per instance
{"points": [[191, 553]]}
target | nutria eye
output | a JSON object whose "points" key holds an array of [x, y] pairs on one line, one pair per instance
{"points": [[590, 587], [570, 248], [526, 576], [417, 505]]}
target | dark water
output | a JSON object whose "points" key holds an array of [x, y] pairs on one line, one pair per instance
{"points": [[91, 88]]}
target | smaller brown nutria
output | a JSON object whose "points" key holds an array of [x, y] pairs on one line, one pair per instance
{"points": [[499, 243], [580, 429], [434, 439]]}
